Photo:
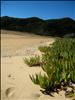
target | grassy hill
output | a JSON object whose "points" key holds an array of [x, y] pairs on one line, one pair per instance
{"points": [[52, 27]]}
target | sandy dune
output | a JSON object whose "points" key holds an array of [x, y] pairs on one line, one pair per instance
{"points": [[15, 81], [13, 42]]}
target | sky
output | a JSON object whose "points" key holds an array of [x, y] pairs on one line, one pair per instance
{"points": [[41, 9]]}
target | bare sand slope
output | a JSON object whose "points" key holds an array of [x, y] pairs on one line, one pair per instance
{"points": [[15, 81], [13, 42]]}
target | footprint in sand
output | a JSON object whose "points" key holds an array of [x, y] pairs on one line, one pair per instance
{"points": [[11, 76], [10, 92]]}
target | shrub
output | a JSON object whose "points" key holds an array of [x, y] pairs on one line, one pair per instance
{"points": [[33, 61], [44, 48], [59, 64]]}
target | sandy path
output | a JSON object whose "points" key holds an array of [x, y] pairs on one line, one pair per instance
{"points": [[15, 81]]}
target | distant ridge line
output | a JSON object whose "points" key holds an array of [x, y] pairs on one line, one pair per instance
{"points": [[50, 27]]}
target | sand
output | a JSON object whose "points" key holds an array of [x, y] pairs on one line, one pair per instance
{"points": [[15, 81]]}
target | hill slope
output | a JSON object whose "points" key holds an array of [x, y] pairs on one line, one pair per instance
{"points": [[51, 27]]}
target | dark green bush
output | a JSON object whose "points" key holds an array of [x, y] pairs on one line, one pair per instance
{"points": [[59, 64], [33, 61]]}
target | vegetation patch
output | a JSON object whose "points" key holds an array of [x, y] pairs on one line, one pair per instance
{"points": [[33, 61], [43, 49], [58, 62]]}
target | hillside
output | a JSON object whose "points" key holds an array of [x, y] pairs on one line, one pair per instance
{"points": [[51, 27]]}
